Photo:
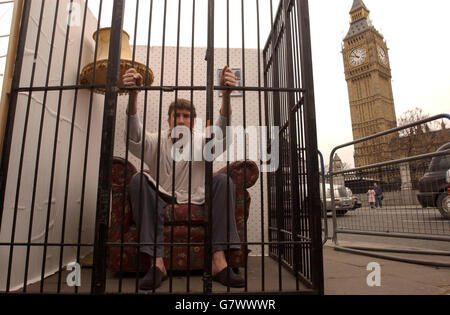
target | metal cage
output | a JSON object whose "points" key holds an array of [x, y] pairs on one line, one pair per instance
{"points": [[60, 139]]}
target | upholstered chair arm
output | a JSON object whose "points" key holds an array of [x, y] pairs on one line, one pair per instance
{"points": [[244, 173]]}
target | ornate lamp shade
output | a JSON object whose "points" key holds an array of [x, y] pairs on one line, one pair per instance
{"points": [[101, 66]]}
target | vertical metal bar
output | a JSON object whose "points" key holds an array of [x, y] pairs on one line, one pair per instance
{"points": [[191, 155], [290, 207], [75, 102], [303, 224], [131, 99], [30, 227], [36, 164], [270, 117], [207, 275], [98, 284], [281, 72], [261, 174], [47, 223], [268, 134], [173, 162], [285, 215], [228, 32], [69, 158], [324, 198], [88, 132], [228, 152], [295, 198], [311, 147], [155, 218], [144, 128], [244, 118], [10, 125], [279, 173], [297, 255], [139, 224]]}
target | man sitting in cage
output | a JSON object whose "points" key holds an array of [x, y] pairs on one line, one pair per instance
{"points": [[143, 188]]}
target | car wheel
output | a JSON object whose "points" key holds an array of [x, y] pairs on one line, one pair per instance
{"points": [[341, 212], [443, 205]]}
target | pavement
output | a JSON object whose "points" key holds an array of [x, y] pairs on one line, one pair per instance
{"points": [[345, 273], [349, 273]]}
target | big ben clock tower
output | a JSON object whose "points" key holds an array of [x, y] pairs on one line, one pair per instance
{"points": [[368, 76]]}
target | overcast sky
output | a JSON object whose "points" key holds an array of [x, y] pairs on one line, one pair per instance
{"points": [[416, 33]]}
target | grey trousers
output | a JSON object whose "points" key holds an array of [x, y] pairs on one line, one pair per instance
{"points": [[143, 202]]}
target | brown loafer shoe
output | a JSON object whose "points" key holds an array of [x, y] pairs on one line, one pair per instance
{"points": [[233, 281], [148, 283]]}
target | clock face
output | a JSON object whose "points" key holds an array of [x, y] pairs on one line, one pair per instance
{"points": [[358, 56], [382, 55]]}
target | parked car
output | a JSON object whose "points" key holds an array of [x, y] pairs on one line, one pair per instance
{"points": [[343, 199], [434, 186], [356, 201]]}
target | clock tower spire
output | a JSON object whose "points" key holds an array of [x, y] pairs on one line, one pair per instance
{"points": [[368, 76], [359, 11]]}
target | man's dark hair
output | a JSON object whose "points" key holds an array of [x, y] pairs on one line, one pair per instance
{"points": [[182, 104]]}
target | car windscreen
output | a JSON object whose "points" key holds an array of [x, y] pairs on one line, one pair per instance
{"points": [[338, 192], [341, 192], [440, 163]]}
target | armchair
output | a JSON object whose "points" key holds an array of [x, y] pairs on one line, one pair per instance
{"points": [[122, 229]]}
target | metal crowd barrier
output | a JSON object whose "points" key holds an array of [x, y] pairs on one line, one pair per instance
{"points": [[400, 214]]}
